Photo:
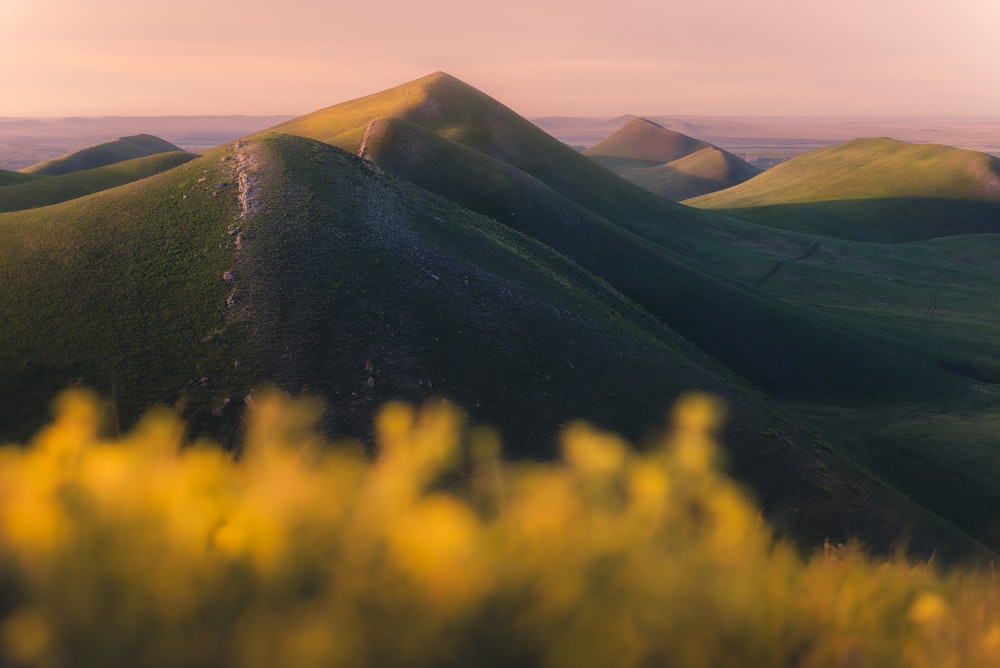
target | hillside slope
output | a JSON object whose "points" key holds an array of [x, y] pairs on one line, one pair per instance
{"points": [[873, 190], [123, 148], [456, 141], [46, 190], [668, 163]]}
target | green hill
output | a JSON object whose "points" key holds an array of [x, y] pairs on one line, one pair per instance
{"points": [[873, 190], [471, 255], [668, 163], [42, 191], [281, 260], [8, 178], [124, 148], [489, 159]]}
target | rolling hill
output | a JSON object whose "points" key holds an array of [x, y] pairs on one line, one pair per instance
{"points": [[284, 261], [45, 190], [8, 178], [668, 163], [124, 148], [472, 256], [873, 190], [489, 159]]}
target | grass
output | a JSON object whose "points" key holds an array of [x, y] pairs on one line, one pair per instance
{"points": [[889, 220], [43, 191], [868, 169], [144, 550], [8, 178], [572, 292], [361, 288], [119, 290], [704, 171], [125, 148]]}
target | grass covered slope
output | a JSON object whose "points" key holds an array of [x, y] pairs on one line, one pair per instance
{"points": [[873, 189], [458, 142], [124, 148], [8, 178], [284, 261], [43, 191], [669, 163]]}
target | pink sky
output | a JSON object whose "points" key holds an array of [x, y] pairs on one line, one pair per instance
{"points": [[541, 57]]}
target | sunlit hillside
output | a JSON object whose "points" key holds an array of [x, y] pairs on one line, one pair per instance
{"points": [[872, 190], [45, 190], [438, 552], [124, 148]]}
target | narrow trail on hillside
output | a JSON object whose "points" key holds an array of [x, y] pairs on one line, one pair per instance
{"points": [[246, 194], [776, 268]]}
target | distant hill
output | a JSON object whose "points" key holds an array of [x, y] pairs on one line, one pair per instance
{"points": [[36, 190], [643, 143], [668, 163], [125, 148], [8, 178], [873, 190]]}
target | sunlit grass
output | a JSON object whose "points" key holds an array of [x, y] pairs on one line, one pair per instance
{"points": [[150, 551]]}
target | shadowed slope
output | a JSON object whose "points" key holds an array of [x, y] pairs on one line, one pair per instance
{"points": [[8, 178], [503, 166], [43, 191], [124, 148]]}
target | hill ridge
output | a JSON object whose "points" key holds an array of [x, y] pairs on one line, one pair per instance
{"points": [[102, 155]]}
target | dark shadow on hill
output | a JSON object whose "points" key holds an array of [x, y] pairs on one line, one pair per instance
{"points": [[890, 220]]}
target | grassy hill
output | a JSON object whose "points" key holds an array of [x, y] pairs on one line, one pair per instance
{"points": [[490, 160], [805, 319], [8, 178], [874, 190], [284, 261], [471, 255], [124, 148], [42, 191], [668, 163]]}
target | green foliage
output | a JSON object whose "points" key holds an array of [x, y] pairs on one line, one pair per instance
{"points": [[144, 551]]}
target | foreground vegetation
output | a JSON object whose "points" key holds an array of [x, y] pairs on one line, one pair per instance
{"points": [[148, 551]]}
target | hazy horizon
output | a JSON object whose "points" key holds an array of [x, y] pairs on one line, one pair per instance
{"points": [[60, 58]]}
